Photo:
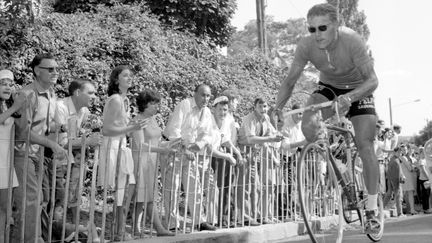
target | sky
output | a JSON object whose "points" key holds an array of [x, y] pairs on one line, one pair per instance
{"points": [[400, 40]]}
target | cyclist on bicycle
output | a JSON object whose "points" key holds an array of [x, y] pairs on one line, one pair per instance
{"points": [[346, 74]]}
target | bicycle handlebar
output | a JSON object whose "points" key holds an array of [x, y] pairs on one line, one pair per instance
{"points": [[311, 107]]}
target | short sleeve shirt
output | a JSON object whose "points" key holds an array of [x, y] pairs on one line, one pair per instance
{"points": [[39, 113], [340, 67], [254, 126]]}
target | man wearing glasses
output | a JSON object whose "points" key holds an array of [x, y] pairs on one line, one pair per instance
{"points": [[37, 118], [346, 74]]}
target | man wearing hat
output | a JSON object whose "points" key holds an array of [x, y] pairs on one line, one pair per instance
{"points": [[225, 133]]}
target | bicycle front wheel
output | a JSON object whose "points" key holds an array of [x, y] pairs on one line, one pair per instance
{"points": [[319, 193]]}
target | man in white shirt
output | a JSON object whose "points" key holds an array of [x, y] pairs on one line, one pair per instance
{"points": [[71, 113], [191, 122], [293, 139], [259, 136]]}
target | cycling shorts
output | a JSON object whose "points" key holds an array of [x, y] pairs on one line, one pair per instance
{"points": [[364, 106]]}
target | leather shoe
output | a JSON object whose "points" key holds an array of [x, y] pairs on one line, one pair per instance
{"points": [[206, 226], [251, 223]]}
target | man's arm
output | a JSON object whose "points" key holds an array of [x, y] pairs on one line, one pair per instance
{"points": [[173, 127], [287, 86], [368, 86]]}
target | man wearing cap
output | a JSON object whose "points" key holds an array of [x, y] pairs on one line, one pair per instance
{"points": [[36, 121], [191, 122], [224, 134]]}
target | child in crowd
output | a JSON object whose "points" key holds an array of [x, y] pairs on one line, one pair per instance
{"points": [[8, 107], [57, 229]]}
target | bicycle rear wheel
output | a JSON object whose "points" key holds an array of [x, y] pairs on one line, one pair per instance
{"points": [[377, 236], [319, 192]]}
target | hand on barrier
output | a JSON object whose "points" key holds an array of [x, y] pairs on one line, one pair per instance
{"points": [[59, 152], [231, 160], [189, 155]]}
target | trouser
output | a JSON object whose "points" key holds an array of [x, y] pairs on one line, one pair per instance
{"points": [[396, 190], [382, 177], [268, 178], [190, 175], [248, 191], [33, 206], [285, 197], [224, 182], [425, 194]]}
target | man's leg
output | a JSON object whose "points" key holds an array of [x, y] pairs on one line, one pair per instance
{"points": [[398, 199], [31, 201], [391, 190], [171, 184], [191, 182], [364, 127]]}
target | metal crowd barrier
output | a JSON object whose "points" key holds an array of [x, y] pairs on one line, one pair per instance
{"points": [[186, 193]]}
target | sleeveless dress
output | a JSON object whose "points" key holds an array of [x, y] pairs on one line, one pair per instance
{"points": [[5, 153], [110, 149], [147, 161]]}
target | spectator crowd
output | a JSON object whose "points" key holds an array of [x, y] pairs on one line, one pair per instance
{"points": [[225, 171]]}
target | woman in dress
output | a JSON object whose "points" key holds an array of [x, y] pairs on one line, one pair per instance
{"points": [[116, 126], [146, 145], [7, 113]]}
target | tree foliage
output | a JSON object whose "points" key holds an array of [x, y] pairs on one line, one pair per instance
{"points": [[90, 44], [209, 18], [351, 17], [205, 18], [282, 38], [424, 135]]}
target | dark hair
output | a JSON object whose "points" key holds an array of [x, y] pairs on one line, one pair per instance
{"points": [[38, 59], [324, 9], [199, 86], [145, 97], [113, 86], [77, 84], [259, 101]]}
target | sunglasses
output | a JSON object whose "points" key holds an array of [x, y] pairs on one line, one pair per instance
{"points": [[321, 28], [51, 69]]}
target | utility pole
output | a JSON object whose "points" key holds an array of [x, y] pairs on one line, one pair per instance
{"points": [[262, 38], [391, 112]]}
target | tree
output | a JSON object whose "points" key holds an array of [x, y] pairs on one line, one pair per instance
{"points": [[351, 17], [424, 135], [209, 18], [204, 18], [282, 38]]}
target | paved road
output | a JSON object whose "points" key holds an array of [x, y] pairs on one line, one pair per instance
{"points": [[416, 229]]}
